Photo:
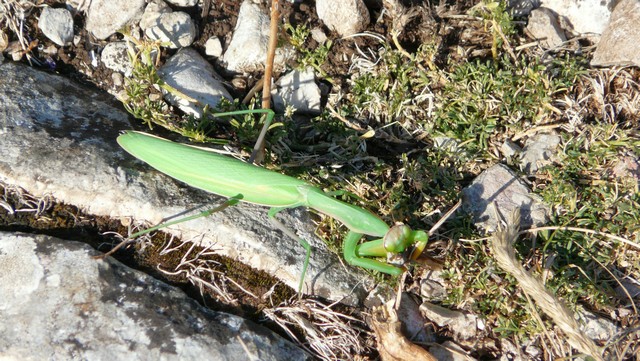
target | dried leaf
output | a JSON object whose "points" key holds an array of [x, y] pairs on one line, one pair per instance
{"points": [[392, 344]]}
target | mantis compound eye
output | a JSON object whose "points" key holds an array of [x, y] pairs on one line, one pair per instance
{"points": [[397, 239]]}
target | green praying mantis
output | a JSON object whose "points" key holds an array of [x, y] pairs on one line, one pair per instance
{"points": [[239, 181]]}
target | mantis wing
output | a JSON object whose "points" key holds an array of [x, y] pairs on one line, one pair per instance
{"points": [[214, 172]]}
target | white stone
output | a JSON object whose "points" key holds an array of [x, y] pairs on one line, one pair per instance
{"points": [[509, 149], [117, 79], [597, 328], [297, 89], [463, 325], [499, 187], [213, 47], [183, 3], [538, 151], [247, 51], [175, 29], [344, 17], [193, 76], [57, 25], [619, 43], [105, 17], [318, 35], [543, 26], [583, 16], [115, 56], [152, 12]]}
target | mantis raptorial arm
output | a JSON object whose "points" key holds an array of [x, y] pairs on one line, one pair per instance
{"points": [[225, 176]]}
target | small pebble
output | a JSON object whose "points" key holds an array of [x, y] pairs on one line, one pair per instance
{"points": [[117, 79], [57, 25], [213, 47], [239, 83]]}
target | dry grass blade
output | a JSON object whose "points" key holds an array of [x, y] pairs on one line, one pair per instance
{"points": [[26, 203], [504, 253], [330, 335], [199, 270], [12, 16]]}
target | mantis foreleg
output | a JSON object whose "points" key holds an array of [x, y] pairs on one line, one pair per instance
{"points": [[352, 257]]}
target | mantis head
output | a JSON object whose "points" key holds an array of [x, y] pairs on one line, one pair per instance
{"points": [[400, 238]]}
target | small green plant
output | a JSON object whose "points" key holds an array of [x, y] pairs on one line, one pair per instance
{"points": [[585, 192], [314, 58], [247, 126], [498, 20], [485, 98], [380, 94]]}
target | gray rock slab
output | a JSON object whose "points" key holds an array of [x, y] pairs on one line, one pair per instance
{"points": [[192, 75], [344, 17], [247, 51], [58, 303], [618, 45], [499, 187], [105, 17], [57, 25], [543, 25], [58, 138], [298, 89], [582, 16], [173, 29], [432, 286]]}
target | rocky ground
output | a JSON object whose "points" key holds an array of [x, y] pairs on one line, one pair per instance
{"points": [[527, 111]]}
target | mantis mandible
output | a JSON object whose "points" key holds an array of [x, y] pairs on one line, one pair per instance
{"points": [[240, 181]]}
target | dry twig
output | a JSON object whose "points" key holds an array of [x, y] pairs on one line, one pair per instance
{"points": [[504, 253]]}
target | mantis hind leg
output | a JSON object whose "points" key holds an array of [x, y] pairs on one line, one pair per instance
{"points": [[307, 247], [228, 203], [351, 255]]}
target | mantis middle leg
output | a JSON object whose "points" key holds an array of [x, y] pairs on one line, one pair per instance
{"points": [[307, 247]]}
